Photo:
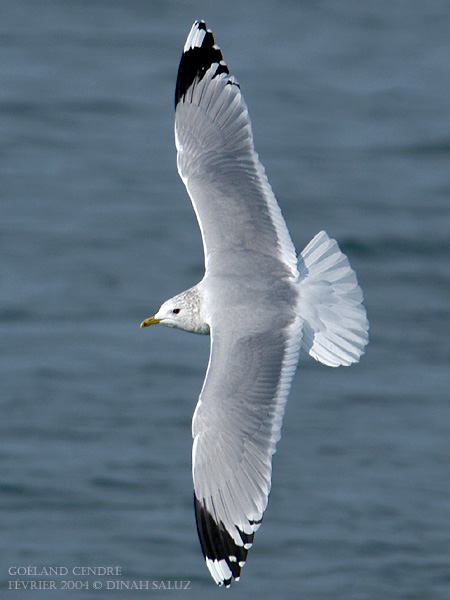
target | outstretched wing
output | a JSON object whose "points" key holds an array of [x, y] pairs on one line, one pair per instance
{"points": [[234, 203], [236, 426]]}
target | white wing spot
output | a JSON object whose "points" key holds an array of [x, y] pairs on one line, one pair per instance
{"points": [[194, 39]]}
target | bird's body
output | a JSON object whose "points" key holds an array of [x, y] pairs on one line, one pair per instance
{"points": [[258, 302]]}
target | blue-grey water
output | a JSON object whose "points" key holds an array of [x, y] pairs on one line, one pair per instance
{"points": [[350, 103]]}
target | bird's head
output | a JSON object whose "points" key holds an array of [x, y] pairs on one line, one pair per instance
{"points": [[182, 311]]}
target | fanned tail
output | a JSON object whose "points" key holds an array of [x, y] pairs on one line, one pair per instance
{"points": [[335, 330]]}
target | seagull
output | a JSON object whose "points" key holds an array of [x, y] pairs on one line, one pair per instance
{"points": [[258, 301]]}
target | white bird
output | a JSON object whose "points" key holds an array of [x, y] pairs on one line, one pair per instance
{"points": [[257, 300]]}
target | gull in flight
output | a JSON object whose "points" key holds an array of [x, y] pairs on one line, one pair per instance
{"points": [[258, 301]]}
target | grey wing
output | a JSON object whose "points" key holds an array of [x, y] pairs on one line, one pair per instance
{"points": [[236, 426], [234, 203]]}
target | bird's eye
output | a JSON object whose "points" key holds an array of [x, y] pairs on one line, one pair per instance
{"points": [[176, 311]]}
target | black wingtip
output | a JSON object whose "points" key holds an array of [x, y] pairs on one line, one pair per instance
{"points": [[199, 53], [217, 544]]}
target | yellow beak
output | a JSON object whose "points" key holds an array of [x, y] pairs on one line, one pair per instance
{"points": [[150, 321]]}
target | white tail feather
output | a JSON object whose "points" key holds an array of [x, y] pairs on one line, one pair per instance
{"points": [[335, 330]]}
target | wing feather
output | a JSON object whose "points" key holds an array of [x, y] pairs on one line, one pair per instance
{"points": [[235, 427], [232, 198]]}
